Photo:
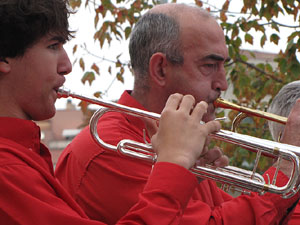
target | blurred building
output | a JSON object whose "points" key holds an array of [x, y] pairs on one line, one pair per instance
{"points": [[57, 132]]}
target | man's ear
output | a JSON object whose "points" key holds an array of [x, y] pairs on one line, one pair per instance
{"points": [[4, 66], [157, 68]]}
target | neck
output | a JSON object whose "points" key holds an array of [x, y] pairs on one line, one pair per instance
{"points": [[150, 100]]}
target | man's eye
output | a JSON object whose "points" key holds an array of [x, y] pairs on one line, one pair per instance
{"points": [[54, 46], [210, 66], [207, 69]]}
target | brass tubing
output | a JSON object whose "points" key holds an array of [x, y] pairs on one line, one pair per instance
{"points": [[251, 112]]}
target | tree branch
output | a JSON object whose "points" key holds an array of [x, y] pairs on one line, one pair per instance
{"points": [[258, 69], [103, 58], [280, 24]]}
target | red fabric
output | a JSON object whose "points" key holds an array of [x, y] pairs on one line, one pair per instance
{"points": [[295, 217], [31, 195], [106, 185]]}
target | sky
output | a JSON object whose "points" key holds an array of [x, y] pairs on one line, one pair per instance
{"points": [[82, 23]]}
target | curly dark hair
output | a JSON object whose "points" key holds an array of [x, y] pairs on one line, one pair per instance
{"points": [[24, 22]]}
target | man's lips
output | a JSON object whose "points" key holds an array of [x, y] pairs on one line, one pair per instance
{"points": [[59, 86]]}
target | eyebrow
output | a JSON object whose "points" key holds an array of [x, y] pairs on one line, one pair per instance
{"points": [[216, 58], [59, 39]]}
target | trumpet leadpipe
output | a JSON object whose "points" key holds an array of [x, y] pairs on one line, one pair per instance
{"points": [[251, 112], [65, 93]]}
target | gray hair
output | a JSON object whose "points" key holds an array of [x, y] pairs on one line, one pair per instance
{"points": [[282, 104], [154, 32], [159, 31]]}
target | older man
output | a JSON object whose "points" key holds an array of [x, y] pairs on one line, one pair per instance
{"points": [[173, 48]]}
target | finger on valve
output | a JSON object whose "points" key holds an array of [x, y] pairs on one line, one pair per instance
{"points": [[214, 157], [180, 138]]}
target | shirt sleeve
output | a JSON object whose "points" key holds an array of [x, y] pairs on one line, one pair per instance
{"points": [[255, 208], [28, 199], [164, 197]]}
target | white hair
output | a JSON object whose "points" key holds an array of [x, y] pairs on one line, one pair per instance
{"points": [[282, 104]]}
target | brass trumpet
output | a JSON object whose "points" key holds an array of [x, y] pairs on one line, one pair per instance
{"points": [[240, 178], [251, 112], [245, 112]]}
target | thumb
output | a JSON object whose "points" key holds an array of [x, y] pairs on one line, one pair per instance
{"points": [[151, 126]]}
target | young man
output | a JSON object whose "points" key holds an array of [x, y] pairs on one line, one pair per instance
{"points": [[173, 48], [33, 63]]}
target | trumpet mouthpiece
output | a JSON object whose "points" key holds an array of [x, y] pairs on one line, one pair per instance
{"points": [[63, 92]]}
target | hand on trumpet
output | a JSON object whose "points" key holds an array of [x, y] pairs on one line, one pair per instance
{"points": [[213, 156], [180, 137]]}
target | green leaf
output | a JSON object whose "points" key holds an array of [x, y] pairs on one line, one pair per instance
{"points": [[118, 64], [274, 38], [263, 40], [120, 77], [235, 32], [275, 26], [283, 65], [249, 38], [127, 32], [230, 51], [269, 68], [295, 68], [244, 81], [244, 58], [261, 66], [88, 76]]}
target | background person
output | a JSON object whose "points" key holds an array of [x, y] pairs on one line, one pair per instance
{"points": [[282, 105]]}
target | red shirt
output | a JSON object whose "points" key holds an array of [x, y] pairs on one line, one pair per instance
{"points": [[106, 184], [30, 194]]}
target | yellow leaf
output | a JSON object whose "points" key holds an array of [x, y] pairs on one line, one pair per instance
{"points": [[83, 105], [98, 94], [74, 49], [223, 16], [96, 68], [88, 76], [75, 3], [81, 63]]}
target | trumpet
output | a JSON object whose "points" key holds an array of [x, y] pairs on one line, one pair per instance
{"points": [[232, 176], [252, 112], [245, 112]]}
